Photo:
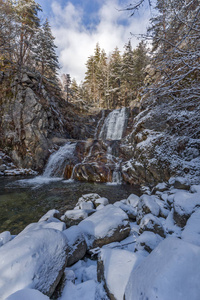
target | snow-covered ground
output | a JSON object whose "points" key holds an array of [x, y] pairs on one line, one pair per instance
{"points": [[140, 248]]}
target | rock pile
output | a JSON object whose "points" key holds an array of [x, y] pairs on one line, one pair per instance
{"points": [[146, 247]]}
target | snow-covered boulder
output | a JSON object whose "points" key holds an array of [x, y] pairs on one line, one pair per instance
{"points": [[185, 203], [148, 241], [180, 183], [27, 294], [75, 216], [101, 201], [151, 223], [91, 198], [147, 205], [133, 200], [110, 224], [51, 223], [35, 259], [53, 213], [5, 237], [191, 232], [129, 209], [114, 268], [171, 271], [77, 244]]}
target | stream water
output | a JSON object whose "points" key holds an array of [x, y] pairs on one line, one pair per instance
{"points": [[23, 201]]}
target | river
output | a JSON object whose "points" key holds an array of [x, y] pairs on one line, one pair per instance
{"points": [[23, 201]]}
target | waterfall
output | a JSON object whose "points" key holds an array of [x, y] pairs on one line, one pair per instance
{"points": [[99, 123], [57, 161], [114, 124]]}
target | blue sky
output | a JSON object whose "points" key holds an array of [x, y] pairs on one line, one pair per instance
{"points": [[78, 25]]}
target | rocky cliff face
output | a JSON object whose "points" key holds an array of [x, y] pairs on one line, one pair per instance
{"points": [[164, 142], [34, 120]]}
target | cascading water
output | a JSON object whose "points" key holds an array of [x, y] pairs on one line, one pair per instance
{"points": [[57, 161], [114, 124]]}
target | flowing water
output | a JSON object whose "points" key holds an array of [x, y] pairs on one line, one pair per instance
{"points": [[23, 201], [114, 124]]}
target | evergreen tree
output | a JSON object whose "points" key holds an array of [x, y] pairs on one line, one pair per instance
{"points": [[114, 79], [45, 53], [141, 60], [101, 78], [27, 23], [127, 73]]}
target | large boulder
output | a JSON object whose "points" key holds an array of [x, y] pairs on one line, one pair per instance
{"points": [[114, 268], [76, 243], [35, 259], [110, 224], [191, 232], [152, 223], [185, 203], [148, 241], [147, 205], [171, 271], [75, 216]]}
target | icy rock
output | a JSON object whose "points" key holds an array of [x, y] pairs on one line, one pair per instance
{"points": [[27, 294], [53, 213], [160, 187], [185, 203], [171, 271], [101, 201], [114, 268], [148, 241], [147, 205], [133, 200], [92, 197], [75, 216], [77, 244], [128, 209], [191, 232], [5, 237], [152, 223], [110, 224], [86, 205], [180, 183], [35, 259]]}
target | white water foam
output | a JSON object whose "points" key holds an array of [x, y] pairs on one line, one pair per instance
{"points": [[114, 125]]}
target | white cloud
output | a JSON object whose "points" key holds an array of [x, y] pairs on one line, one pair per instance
{"points": [[76, 42]]}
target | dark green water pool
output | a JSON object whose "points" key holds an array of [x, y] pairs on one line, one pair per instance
{"points": [[23, 201]]}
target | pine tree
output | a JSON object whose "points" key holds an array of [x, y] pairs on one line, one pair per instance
{"points": [[27, 23], [46, 57], [176, 54], [114, 79], [141, 60], [101, 78], [127, 73]]}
